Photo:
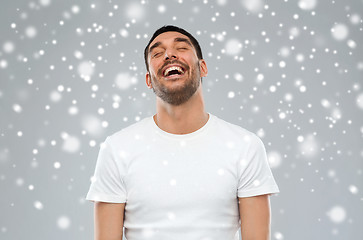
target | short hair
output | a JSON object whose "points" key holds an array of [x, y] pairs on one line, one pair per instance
{"points": [[171, 28]]}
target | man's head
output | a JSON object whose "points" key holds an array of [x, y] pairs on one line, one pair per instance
{"points": [[174, 65], [171, 28]]}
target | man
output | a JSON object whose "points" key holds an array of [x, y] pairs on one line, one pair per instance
{"points": [[182, 173]]}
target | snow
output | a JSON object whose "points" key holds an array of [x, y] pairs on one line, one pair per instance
{"points": [[31, 32], [72, 73], [340, 31], [307, 4]]}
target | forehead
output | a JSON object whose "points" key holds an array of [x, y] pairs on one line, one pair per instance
{"points": [[168, 36]]}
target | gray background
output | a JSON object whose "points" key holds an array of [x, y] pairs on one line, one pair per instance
{"points": [[72, 73]]}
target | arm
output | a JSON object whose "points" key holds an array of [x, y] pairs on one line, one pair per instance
{"points": [[108, 220], [255, 217]]}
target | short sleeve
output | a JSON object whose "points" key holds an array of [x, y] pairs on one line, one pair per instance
{"points": [[106, 183], [255, 176]]}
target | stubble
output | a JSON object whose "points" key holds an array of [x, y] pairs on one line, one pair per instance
{"points": [[179, 94]]}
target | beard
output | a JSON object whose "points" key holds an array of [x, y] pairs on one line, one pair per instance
{"points": [[180, 94]]}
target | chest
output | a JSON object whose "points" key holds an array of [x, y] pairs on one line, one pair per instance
{"points": [[181, 178]]}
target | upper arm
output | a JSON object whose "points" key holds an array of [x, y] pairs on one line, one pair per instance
{"points": [[255, 217], [108, 220]]}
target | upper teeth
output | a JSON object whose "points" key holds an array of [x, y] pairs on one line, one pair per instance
{"points": [[173, 68]]}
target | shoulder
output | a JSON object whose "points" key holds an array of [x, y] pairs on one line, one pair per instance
{"points": [[132, 132], [232, 130]]}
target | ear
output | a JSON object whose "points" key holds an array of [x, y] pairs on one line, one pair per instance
{"points": [[148, 80], [203, 68]]}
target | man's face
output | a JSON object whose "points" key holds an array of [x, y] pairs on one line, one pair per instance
{"points": [[174, 68]]}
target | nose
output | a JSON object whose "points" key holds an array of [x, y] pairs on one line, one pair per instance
{"points": [[170, 54]]}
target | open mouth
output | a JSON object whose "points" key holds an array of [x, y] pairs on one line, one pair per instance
{"points": [[173, 71]]}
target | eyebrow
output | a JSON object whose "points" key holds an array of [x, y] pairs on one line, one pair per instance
{"points": [[179, 39], [155, 45]]}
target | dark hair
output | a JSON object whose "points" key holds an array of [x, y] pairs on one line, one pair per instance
{"points": [[171, 28]]}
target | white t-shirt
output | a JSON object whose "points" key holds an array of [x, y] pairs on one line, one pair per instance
{"points": [[181, 186]]}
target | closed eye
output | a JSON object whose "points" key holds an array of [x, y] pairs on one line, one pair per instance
{"points": [[157, 54]]}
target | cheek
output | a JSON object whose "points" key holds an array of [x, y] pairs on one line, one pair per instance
{"points": [[154, 68], [155, 65], [191, 60]]}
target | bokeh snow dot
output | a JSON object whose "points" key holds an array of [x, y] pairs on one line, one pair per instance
{"points": [[353, 189], [71, 144], [45, 2], [336, 113], [284, 52], [307, 4], [221, 2], [278, 236], [73, 110], [339, 32], [55, 96], [310, 146], [254, 6], [233, 47], [260, 77], [3, 63], [8, 47], [38, 205], [302, 88], [75, 9], [282, 64], [325, 103], [92, 124], [272, 88], [274, 159], [135, 11], [124, 33], [17, 108], [282, 115], [300, 57], [294, 32], [125, 80], [63, 222], [231, 94], [172, 182], [351, 43], [288, 97], [19, 182], [57, 165], [161, 8], [337, 214], [355, 19], [171, 215], [31, 32], [78, 54], [85, 69], [238, 77], [359, 101]]}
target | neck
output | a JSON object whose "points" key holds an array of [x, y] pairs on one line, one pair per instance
{"points": [[182, 119]]}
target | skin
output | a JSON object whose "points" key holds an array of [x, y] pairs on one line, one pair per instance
{"points": [[108, 220], [179, 102], [180, 110], [255, 217]]}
